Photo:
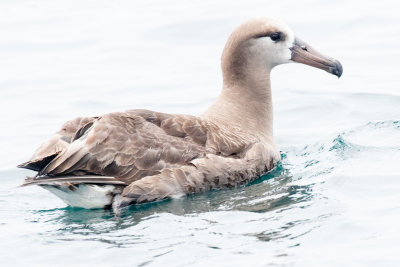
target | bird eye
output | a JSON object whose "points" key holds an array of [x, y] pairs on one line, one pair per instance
{"points": [[276, 36]]}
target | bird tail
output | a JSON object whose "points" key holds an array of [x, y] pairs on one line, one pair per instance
{"points": [[72, 179], [86, 191]]}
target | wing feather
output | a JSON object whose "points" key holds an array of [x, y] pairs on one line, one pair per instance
{"points": [[76, 179], [125, 145], [55, 144], [152, 155]]}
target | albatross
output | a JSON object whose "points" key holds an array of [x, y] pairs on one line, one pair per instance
{"points": [[136, 156]]}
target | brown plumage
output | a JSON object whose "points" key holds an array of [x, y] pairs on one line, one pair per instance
{"points": [[151, 156], [158, 155]]}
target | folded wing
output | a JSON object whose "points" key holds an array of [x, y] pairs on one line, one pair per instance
{"points": [[125, 145]]}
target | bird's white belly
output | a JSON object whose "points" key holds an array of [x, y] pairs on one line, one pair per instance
{"points": [[88, 196]]}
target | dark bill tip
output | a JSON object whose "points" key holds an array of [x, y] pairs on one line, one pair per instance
{"points": [[305, 54], [337, 69]]}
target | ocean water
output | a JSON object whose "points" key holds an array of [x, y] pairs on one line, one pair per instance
{"points": [[334, 198]]}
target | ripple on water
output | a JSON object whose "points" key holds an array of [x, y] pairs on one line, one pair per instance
{"points": [[279, 209]]}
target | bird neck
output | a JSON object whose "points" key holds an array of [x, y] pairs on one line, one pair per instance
{"points": [[245, 103]]}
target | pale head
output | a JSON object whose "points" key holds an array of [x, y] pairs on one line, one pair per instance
{"points": [[258, 45]]}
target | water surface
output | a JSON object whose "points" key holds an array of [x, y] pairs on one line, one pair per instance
{"points": [[333, 200]]}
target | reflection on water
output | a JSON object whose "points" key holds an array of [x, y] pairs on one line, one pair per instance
{"points": [[281, 209], [272, 192], [267, 193]]}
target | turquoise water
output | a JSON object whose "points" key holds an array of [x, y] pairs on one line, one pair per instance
{"points": [[333, 200]]}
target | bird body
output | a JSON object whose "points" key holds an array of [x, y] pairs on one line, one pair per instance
{"points": [[137, 156]]}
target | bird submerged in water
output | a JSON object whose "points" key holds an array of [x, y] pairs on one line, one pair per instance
{"points": [[138, 156]]}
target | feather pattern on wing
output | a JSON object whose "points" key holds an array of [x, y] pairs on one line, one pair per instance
{"points": [[155, 155]]}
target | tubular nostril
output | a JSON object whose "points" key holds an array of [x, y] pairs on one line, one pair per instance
{"points": [[304, 47]]}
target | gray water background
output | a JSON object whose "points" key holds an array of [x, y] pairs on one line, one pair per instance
{"points": [[334, 199]]}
